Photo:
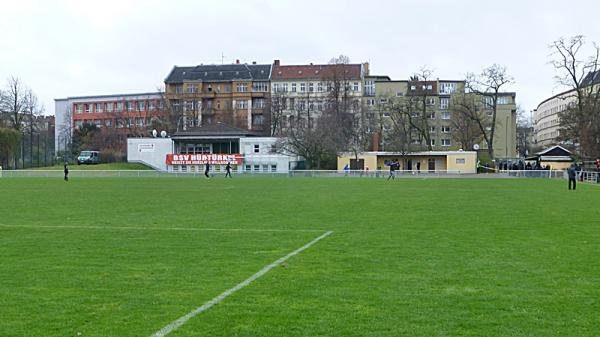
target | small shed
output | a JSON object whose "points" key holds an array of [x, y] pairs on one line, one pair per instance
{"points": [[555, 158]]}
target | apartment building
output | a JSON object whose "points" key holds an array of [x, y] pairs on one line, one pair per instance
{"points": [[300, 92], [546, 119], [439, 94], [128, 113], [233, 94]]}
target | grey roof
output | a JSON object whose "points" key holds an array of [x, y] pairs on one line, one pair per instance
{"points": [[220, 72], [218, 130], [591, 78]]}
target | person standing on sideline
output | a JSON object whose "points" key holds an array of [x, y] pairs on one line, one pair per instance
{"points": [[206, 169], [228, 169], [66, 172], [572, 174]]}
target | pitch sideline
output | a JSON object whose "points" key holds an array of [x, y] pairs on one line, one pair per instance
{"points": [[183, 319]]}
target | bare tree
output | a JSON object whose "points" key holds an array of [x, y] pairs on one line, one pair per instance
{"points": [[31, 111], [580, 123], [469, 119], [13, 102], [276, 106], [489, 85], [524, 132]]}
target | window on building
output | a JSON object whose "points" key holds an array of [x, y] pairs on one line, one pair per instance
{"points": [[431, 115], [460, 160], [446, 115], [87, 108], [445, 129], [430, 101], [242, 104], [242, 87], [256, 168], [293, 87], [258, 103], [502, 100], [79, 108], [413, 87], [273, 167], [257, 120], [369, 88], [284, 87], [129, 106], [109, 107], [179, 88], [139, 122], [108, 122], [256, 148], [432, 129], [151, 106], [311, 87], [446, 142], [302, 87], [302, 104], [260, 86], [355, 86], [99, 107], [247, 168], [141, 105], [488, 102], [447, 88], [192, 88], [432, 142], [444, 103], [370, 102], [119, 106], [320, 86]]}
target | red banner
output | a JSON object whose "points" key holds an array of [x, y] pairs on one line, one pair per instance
{"points": [[202, 159]]}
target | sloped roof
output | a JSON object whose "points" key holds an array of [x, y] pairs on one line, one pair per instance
{"points": [[591, 78], [220, 72], [217, 130], [554, 151], [315, 71]]}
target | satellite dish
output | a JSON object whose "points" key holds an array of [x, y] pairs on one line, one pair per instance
{"points": [[154, 133], [163, 133], [476, 147]]}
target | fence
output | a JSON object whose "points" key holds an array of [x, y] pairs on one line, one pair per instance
{"points": [[586, 176]]}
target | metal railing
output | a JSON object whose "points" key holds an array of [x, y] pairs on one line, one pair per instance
{"points": [[585, 176]]}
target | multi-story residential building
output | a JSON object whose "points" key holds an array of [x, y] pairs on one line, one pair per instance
{"points": [[546, 119], [127, 113], [438, 94], [233, 94], [300, 93], [546, 123]]}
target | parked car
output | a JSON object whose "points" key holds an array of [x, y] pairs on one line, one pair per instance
{"points": [[88, 157]]}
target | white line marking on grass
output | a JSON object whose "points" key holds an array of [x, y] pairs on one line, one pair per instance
{"points": [[183, 319], [165, 228]]}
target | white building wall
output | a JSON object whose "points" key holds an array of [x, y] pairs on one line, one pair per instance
{"points": [[265, 160], [150, 151]]}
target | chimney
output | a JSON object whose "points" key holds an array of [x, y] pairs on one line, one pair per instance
{"points": [[276, 62], [237, 61], [253, 62], [311, 64], [366, 68]]}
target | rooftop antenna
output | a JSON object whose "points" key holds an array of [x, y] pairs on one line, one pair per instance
{"points": [[222, 57]]}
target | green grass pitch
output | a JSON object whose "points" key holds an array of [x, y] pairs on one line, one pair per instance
{"points": [[410, 257]]}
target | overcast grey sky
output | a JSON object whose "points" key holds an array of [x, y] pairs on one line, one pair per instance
{"points": [[77, 47]]}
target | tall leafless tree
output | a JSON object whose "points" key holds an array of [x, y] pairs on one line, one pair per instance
{"points": [[469, 119], [13, 102], [579, 123], [489, 85]]}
